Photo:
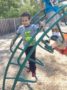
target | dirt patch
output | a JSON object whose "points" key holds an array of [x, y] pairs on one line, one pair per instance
{"points": [[52, 76]]}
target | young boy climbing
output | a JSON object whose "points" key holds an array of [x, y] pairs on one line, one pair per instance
{"points": [[27, 30]]}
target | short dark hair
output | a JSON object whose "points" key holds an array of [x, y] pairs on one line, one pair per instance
{"points": [[26, 14]]}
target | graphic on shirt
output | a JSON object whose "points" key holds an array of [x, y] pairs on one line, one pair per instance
{"points": [[28, 37]]}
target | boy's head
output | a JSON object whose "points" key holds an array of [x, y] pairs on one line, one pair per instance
{"points": [[26, 18]]}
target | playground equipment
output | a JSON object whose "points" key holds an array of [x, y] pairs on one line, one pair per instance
{"points": [[22, 65], [63, 2]]}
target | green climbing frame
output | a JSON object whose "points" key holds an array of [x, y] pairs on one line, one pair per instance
{"points": [[22, 66]]}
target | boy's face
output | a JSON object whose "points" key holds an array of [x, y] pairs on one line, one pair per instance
{"points": [[25, 21]]}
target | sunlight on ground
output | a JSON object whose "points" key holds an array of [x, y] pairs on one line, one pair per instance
{"points": [[53, 76]]}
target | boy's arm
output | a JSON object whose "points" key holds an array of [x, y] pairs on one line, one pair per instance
{"points": [[13, 40], [18, 32]]}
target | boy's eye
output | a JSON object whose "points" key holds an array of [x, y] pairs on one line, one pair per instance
{"points": [[24, 20]]}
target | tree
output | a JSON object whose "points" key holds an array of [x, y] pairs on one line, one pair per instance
{"points": [[9, 8], [30, 6], [14, 8]]}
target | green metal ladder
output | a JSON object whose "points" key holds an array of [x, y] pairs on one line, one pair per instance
{"points": [[22, 66]]}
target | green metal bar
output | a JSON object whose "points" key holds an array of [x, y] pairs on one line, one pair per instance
{"points": [[37, 15], [60, 33], [20, 48], [18, 64], [61, 8], [48, 36], [40, 62], [13, 63], [29, 81], [23, 80], [64, 17], [37, 61], [12, 55], [47, 49], [42, 17], [22, 66], [27, 58], [13, 44]]}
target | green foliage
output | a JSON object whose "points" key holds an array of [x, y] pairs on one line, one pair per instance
{"points": [[14, 8], [8, 8], [30, 6]]}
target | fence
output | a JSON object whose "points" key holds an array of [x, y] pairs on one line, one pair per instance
{"points": [[9, 25]]}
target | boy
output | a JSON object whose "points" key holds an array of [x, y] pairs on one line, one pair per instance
{"points": [[27, 30]]}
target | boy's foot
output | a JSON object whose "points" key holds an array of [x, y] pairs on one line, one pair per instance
{"points": [[33, 74], [28, 70]]}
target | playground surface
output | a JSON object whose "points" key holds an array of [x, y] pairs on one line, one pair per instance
{"points": [[53, 76]]}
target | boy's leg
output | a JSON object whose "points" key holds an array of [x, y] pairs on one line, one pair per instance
{"points": [[26, 52], [32, 65]]}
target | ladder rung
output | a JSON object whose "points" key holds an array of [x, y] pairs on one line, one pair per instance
{"points": [[20, 48], [47, 49], [10, 77], [17, 64], [45, 41], [47, 36], [13, 51], [23, 80], [29, 81], [37, 61], [14, 63]]}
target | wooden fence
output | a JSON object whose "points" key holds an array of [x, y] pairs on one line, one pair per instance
{"points": [[9, 25]]}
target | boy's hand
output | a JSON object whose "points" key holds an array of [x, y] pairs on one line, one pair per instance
{"points": [[42, 24], [11, 44], [13, 41]]}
